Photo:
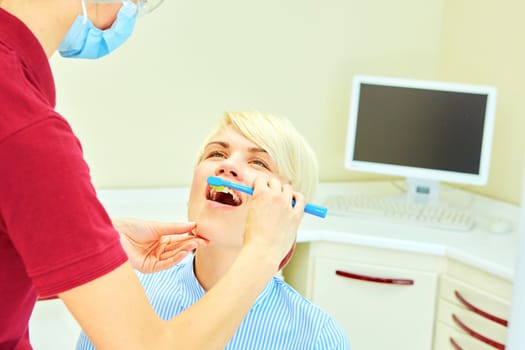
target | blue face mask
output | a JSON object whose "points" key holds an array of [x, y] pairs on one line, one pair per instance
{"points": [[84, 40]]}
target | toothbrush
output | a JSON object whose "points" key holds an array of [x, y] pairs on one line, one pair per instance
{"points": [[218, 184]]}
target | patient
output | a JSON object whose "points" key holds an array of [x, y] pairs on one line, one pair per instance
{"points": [[244, 146]]}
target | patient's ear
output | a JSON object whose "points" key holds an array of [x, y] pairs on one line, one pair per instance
{"points": [[287, 258]]}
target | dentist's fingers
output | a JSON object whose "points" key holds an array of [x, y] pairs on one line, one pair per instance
{"points": [[174, 241], [300, 201], [173, 228], [272, 222]]}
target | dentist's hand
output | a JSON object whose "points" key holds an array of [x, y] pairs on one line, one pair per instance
{"points": [[154, 246], [272, 222]]}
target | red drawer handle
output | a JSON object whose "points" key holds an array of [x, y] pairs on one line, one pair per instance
{"points": [[454, 344], [480, 312], [374, 279], [476, 335]]}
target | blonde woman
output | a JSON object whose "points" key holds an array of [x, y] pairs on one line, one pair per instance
{"points": [[244, 147]]}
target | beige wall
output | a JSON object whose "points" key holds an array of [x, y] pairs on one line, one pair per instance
{"points": [[483, 42], [142, 112]]}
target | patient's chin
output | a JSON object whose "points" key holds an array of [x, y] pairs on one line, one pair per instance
{"points": [[198, 232]]}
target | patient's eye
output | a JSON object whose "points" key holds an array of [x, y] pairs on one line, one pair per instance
{"points": [[215, 154], [261, 163]]}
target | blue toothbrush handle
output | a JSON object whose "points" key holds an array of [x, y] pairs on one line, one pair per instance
{"points": [[309, 208], [316, 210], [313, 209], [238, 187]]}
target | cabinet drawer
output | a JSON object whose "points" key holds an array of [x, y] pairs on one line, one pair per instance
{"points": [[377, 315], [446, 337], [477, 300], [472, 325], [472, 276]]}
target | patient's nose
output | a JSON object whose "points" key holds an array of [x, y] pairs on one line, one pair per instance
{"points": [[227, 168]]}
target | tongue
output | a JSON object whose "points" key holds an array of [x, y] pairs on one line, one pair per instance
{"points": [[225, 198]]}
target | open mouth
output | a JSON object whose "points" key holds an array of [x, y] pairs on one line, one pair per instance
{"points": [[225, 196]]}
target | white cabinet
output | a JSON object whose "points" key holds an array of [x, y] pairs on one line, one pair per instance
{"points": [[388, 299], [383, 299], [473, 308]]}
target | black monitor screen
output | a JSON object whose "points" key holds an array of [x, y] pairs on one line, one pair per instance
{"points": [[421, 128]]}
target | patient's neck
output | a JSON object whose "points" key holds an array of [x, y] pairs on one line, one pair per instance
{"points": [[211, 263]]}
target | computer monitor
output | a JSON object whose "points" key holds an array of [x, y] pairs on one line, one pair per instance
{"points": [[425, 131]]}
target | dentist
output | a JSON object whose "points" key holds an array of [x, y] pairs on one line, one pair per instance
{"points": [[55, 236]]}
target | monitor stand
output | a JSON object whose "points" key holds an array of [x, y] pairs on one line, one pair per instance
{"points": [[422, 191]]}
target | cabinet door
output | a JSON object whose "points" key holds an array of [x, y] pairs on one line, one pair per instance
{"points": [[374, 313]]}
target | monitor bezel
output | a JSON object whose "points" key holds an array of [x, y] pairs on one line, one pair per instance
{"points": [[478, 179]]}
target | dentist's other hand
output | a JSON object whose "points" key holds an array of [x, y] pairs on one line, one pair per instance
{"points": [[272, 223], [154, 246]]}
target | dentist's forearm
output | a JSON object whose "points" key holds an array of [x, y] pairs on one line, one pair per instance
{"points": [[115, 314], [220, 312]]}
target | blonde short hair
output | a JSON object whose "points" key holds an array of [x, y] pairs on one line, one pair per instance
{"points": [[295, 159]]}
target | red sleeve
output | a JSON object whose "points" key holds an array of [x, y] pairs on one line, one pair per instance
{"points": [[53, 217]]}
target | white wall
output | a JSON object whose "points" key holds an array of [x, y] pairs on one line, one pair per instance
{"points": [[482, 42], [142, 112]]}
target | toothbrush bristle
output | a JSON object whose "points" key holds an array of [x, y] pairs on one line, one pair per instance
{"points": [[217, 188]]}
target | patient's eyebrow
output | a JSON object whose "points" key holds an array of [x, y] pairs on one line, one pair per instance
{"points": [[227, 145], [257, 150], [220, 143]]}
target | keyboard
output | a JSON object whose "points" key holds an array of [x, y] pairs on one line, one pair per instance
{"points": [[385, 209]]}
